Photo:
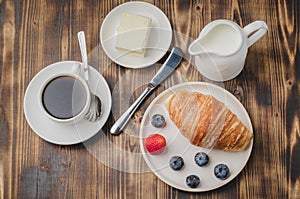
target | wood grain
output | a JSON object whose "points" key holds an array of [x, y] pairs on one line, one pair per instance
{"points": [[34, 34]]}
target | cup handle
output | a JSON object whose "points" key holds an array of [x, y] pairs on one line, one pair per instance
{"points": [[259, 27]]}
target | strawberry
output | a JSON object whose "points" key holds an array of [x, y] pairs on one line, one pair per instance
{"points": [[155, 144]]}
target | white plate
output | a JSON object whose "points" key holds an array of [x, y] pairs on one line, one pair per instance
{"points": [[177, 144], [159, 41], [64, 134]]}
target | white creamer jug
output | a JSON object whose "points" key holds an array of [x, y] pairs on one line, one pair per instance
{"points": [[221, 48]]}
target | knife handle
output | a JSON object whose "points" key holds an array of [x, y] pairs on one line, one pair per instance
{"points": [[123, 119]]}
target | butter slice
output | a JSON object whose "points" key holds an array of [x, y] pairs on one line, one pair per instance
{"points": [[133, 33]]}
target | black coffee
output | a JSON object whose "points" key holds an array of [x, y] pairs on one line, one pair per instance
{"points": [[64, 97]]}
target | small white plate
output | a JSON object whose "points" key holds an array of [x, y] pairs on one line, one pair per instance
{"points": [[64, 134], [177, 144], [159, 41]]}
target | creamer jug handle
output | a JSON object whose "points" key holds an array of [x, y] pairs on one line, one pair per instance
{"points": [[259, 27]]}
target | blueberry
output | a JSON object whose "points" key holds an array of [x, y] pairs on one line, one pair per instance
{"points": [[192, 181], [158, 121], [221, 171], [176, 162], [201, 159]]}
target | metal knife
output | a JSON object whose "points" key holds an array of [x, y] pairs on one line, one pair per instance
{"points": [[166, 69]]}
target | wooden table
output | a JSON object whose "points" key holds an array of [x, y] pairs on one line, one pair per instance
{"points": [[35, 34]]}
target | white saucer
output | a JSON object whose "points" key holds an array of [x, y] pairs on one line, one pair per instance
{"points": [[64, 134], [177, 144], [160, 36]]}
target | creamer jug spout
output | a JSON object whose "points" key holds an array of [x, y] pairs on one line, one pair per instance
{"points": [[197, 47]]}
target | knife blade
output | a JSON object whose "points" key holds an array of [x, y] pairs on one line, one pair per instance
{"points": [[166, 69]]}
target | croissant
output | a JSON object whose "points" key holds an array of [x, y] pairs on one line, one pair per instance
{"points": [[207, 122]]}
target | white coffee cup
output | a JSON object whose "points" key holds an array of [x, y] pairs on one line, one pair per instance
{"points": [[79, 115]]}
